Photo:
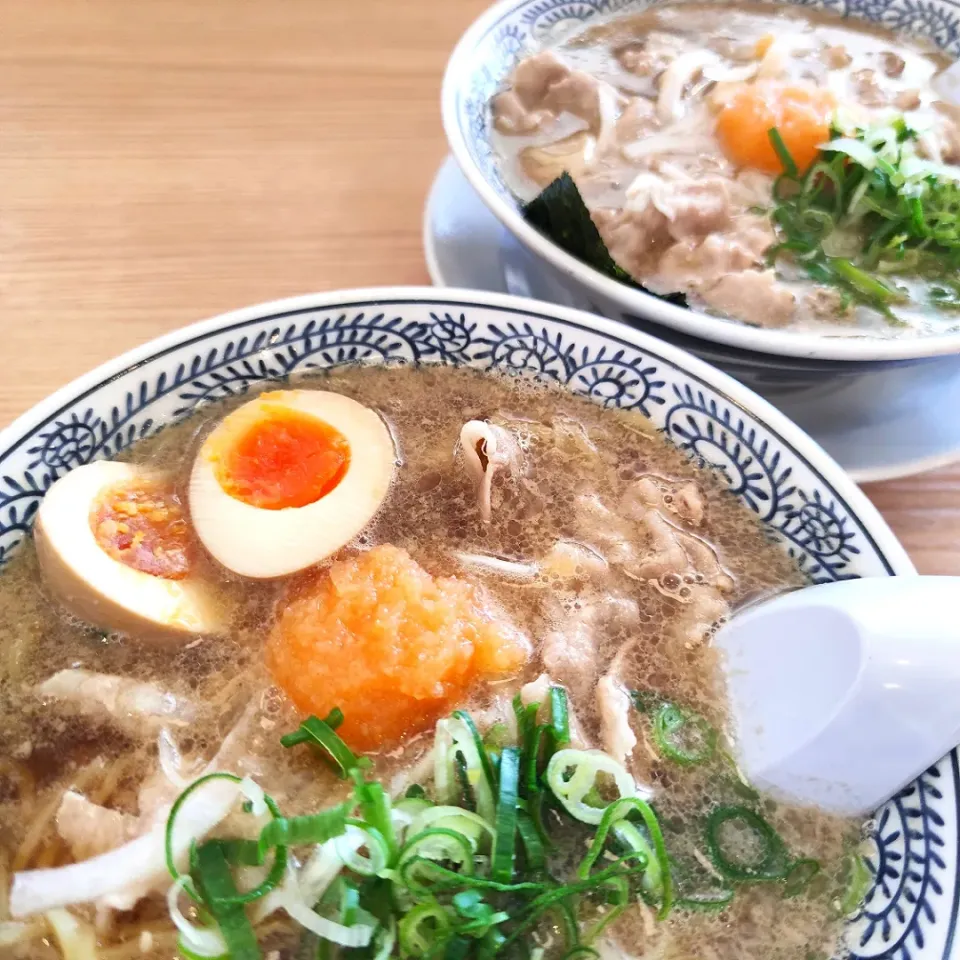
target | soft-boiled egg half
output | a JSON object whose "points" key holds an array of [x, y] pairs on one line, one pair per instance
{"points": [[115, 549], [289, 478]]}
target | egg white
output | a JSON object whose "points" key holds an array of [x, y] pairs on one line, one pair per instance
{"points": [[92, 585], [260, 543]]}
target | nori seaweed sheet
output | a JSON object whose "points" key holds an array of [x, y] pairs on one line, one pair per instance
{"points": [[560, 214]]}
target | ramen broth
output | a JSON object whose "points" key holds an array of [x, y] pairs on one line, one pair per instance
{"points": [[654, 552]]}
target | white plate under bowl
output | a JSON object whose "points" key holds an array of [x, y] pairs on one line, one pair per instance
{"points": [[466, 246]]}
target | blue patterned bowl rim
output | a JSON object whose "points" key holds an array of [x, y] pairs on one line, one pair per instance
{"points": [[806, 501], [508, 30]]}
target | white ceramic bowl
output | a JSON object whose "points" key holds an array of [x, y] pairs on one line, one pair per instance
{"points": [[791, 368], [808, 504]]}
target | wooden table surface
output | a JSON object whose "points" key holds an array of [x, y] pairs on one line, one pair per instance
{"points": [[165, 160]]}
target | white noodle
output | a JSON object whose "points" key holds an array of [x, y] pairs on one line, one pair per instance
{"points": [[675, 78]]}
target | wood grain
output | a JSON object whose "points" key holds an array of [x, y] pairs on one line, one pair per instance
{"points": [[166, 160]]}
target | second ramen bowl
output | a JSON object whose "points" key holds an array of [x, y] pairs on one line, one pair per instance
{"points": [[804, 373]]}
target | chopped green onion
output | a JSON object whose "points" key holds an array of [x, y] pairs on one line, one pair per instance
{"points": [[384, 940], [559, 717], [738, 781], [461, 749], [618, 811], [189, 954], [861, 281], [349, 903], [771, 862], [682, 736], [526, 717], [423, 929], [855, 149], [501, 865], [457, 948], [901, 212], [443, 878], [319, 733], [497, 737], [485, 764], [470, 905], [376, 811], [629, 838], [644, 701], [551, 897], [621, 891], [465, 822], [533, 848], [711, 900], [786, 160], [572, 775], [309, 828], [530, 758], [378, 856], [799, 876], [172, 816], [858, 883], [438, 844], [214, 883]]}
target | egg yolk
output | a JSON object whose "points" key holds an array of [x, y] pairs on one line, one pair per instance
{"points": [[143, 526], [277, 457], [392, 646], [800, 114]]}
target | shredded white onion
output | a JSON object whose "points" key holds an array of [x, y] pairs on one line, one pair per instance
{"points": [[915, 168], [203, 941], [358, 935], [170, 760], [348, 846], [669, 142], [254, 793], [608, 107], [675, 78], [387, 937], [721, 73], [323, 867], [77, 940], [855, 149], [485, 563], [125, 872], [443, 762]]}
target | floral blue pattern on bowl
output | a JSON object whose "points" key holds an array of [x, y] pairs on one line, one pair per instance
{"points": [[807, 503]]}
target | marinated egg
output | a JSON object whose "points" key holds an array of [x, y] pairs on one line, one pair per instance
{"points": [[388, 643], [800, 114], [289, 478], [116, 550]]}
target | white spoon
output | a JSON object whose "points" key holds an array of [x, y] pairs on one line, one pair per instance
{"points": [[843, 693]]}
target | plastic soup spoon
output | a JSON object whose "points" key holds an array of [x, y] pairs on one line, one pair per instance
{"points": [[843, 693]]}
